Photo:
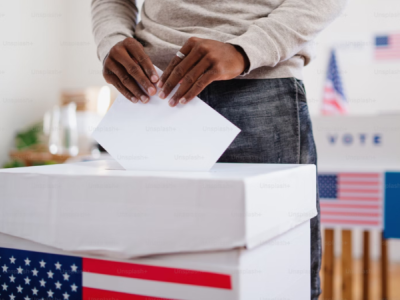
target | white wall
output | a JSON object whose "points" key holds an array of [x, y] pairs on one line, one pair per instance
{"points": [[45, 46], [29, 64], [371, 86], [81, 67]]}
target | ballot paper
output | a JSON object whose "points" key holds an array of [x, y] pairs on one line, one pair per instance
{"points": [[157, 137]]}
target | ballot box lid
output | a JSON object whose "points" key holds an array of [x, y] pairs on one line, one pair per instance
{"points": [[98, 207]]}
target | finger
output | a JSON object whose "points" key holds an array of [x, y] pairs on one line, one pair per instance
{"points": [[186, 48], [187, 82], [134, 70], [180, 81], [113, 79], [179, 72], [127, 80], [135, 49], [198, 86], [173, 63]]}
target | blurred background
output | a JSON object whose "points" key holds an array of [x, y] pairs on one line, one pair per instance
{"points": [[52, 95]]}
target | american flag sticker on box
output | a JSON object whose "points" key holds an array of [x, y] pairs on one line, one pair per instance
{"points": [[33, 275], [351, 199]]}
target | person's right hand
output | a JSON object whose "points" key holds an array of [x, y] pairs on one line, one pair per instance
{"points": [[127, 65]]}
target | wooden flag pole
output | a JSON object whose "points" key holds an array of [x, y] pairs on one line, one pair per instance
{"points": [[384, 269], [347, 265], [328, 264], [366, 266]]}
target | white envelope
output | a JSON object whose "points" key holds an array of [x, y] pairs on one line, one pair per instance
{"points": [[155, 136]]}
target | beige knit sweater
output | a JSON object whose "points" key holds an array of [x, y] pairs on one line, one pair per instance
{"points": [[276, 35]]}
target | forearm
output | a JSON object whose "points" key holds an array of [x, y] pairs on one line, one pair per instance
{"points": [[286, 30], [112, 22]]}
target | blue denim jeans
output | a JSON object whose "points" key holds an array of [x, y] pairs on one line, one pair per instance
{"points": [[276, 128]]}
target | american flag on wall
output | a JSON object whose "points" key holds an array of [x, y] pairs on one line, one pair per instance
{"points": [[387, 47], [30, 275], [334, 100], [351, 199]]}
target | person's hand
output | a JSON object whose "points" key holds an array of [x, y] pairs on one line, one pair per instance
{"points": [[127, 65], [205, 62]]}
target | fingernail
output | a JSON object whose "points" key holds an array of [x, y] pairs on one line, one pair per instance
{"points": [[182, 101], [154, 78], [144, 99], [152, 91], [159, 84], [161, 95], [134, 100], [171, 102]]}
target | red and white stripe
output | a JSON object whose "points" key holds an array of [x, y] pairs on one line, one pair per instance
{"points": [[392, 51], [359, 202], [104, 279], [333, 103]]}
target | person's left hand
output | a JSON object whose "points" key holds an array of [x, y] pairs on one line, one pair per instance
{"points": [[205, 62]]}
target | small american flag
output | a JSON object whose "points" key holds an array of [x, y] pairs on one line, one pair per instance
{"points": [[351, 199], [387, 47], [334, 101], [32, 275]]}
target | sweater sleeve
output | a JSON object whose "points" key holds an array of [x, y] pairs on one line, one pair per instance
{"points": [[112, 22], [286, 30]]}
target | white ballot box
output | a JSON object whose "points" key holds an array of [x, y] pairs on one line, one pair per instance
{"points": [[277, 269], [98, 208], [95, 231]]}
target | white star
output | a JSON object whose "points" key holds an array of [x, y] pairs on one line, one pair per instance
{"points": [[66, 296], [42, 282], [12, 260], [19, 269], [74, 268], [5, 268], [27, 298], [27, 262], [50, 293], [50, 274], [58, 285], [12, 278], [66, 276], [27, 280], [74, 287], [19, 288], [42, 264], [58, 266], [35, 272], [12, 297], [5, 286], [34, 291]]}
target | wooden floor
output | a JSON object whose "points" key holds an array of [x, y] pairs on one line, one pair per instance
{"points": [[374, 290]]}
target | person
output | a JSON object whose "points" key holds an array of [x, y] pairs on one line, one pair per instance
{"points": [[243, 58]]}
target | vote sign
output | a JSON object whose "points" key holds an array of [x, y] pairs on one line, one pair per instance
{"points": [[358, 141]]}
